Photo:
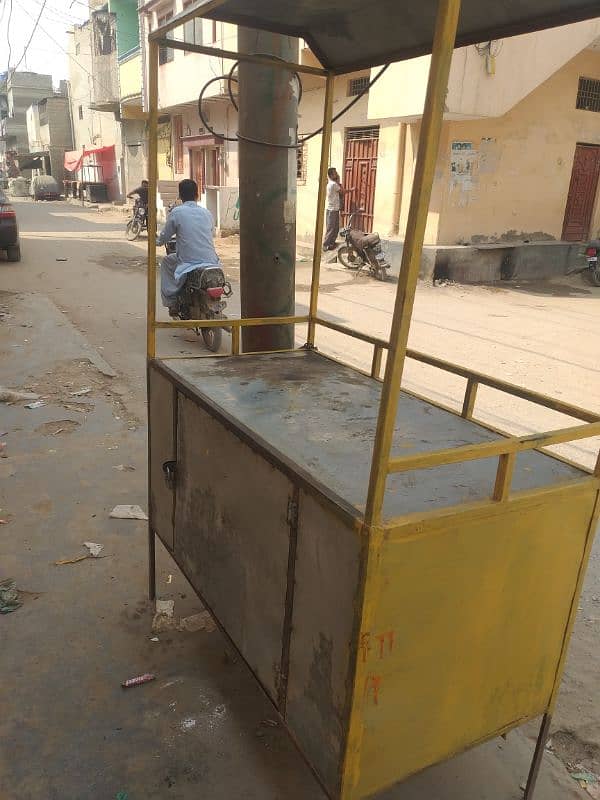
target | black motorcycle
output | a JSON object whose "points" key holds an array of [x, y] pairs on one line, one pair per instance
{"points": [[362, 250], [138, 222], [202, 298]]}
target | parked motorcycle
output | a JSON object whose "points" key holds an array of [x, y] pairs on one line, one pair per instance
{"points": [[138, 221], [362, 250], [590, 253], [202, 298]]}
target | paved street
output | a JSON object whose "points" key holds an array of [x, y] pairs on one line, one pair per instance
{"points": [[74, 312]]}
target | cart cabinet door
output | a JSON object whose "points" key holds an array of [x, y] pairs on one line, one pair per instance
{"points": [[162, 433], [232, 536]]}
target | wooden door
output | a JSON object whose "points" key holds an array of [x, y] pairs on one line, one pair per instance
{"points": [[582, 193], [360, 172], [197, 168]]}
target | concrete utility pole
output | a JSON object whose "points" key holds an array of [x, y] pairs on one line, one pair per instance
{"points": [[268, 111]]}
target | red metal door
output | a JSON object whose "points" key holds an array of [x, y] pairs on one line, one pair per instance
{"points": [[582, 193], [360, 172]]}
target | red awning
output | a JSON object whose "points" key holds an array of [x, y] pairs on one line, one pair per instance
{"points": [[74, 158]]}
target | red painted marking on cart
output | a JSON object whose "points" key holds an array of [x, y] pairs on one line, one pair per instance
{"points": [[365, 646], [383, 639], [373, 687]]}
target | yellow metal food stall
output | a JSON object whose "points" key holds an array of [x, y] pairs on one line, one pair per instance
{"points": [[401, 579]]}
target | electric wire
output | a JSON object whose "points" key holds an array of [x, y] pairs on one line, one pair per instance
{"points": [[230, 78], [35, 27]]}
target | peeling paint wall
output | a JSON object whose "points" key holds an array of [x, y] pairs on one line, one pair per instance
{"points": [[507, 178]]}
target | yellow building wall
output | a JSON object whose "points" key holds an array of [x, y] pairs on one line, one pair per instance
{"points": [[311, 118], [521, 63], [130, 76], [518, 180]]}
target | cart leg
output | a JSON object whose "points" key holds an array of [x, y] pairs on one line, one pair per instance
{"points": [[151, 565], [538, 756]]}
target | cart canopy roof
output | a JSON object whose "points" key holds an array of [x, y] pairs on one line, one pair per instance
{"points": [[357, 34]]}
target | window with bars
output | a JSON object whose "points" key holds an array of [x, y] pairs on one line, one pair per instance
{"points": [[301, 154], [358, 85], [363, 133], [588, 94]]}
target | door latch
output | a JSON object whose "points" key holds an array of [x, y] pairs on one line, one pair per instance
{"points": [[170, 470]]}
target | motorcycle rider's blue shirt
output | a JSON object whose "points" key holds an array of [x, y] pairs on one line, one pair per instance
{"points": [[193, 226]]}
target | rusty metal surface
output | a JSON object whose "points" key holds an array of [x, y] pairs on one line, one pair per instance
{"points": [[350, 35], [162, 448], [320, 417], [327, 577], [232, 537]]}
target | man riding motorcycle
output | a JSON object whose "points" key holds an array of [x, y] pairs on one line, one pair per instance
{"points": [[142, 194], [193, 227]]}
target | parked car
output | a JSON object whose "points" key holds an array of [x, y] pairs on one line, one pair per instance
{"points": [[44, 187], [9, 231]]}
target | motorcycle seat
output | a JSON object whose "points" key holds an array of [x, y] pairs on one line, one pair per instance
{"points": [[370, 240]]}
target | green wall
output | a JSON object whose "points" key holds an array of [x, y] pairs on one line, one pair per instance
{"points": [[128, 33]]}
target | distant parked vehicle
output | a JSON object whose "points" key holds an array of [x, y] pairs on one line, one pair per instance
{"points": [[18, 187], [44, 187], [9, 231], [590, 253]]}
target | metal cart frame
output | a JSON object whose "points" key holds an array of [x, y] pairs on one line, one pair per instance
{"points": [[505, 449]]}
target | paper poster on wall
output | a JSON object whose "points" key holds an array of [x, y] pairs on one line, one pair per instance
{"points": [[462, 162]]}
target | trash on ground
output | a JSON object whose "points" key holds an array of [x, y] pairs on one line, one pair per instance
{"points": [[14, 396], [61, 562], [154, 639], [163, 618], [80, 393], [94, 548], [61, 259], [3, 453], [122, 796], [270, 723], [4, 521], [139, 680], [169, 578], [36, 404], [587, 780], [125, 468], [197, 622], [9, 596], [166, 607], [128, 512]]}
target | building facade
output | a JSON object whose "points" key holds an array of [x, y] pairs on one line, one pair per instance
{"points": [[49, 131], [20, 90]]}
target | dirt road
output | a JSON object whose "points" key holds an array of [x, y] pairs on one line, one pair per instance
{"points": [[544, 337]]}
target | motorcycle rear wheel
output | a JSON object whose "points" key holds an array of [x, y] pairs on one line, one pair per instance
{"points": [[595, 275], [349, 258], [134, 228], [212, 338]]}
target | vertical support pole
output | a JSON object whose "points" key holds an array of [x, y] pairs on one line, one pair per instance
{"points": [[376, 363], [470, 397], [152, 192], [235, 340], [506, 467], [431, 126], [325, 148], [538, 756], [151, 565]]}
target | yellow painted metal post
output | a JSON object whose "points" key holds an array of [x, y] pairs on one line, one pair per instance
{"points": [[325, 147], [443, 45], [152, 191]]}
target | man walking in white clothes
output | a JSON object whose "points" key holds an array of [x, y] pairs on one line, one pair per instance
{"points": [[335, 192]]}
